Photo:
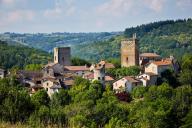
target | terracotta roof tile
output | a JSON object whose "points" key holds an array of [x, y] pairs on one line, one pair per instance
{"points": [[149, 55], [91, 76], [109, 65], [131, 79], [162, 63], [108, 78], [76, 68]]}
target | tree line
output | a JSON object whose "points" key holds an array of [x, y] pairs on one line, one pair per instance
{"points": [[88, 104]]}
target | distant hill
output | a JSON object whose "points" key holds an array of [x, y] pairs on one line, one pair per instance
{"points": [[47, 42], [20, 56], [165, 38]]}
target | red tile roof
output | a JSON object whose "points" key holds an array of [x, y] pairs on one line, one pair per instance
{"points": [[109, 65], [150, 55], [76, 68], [131, 79], [162, 63], [91, 76], [108, 78]]}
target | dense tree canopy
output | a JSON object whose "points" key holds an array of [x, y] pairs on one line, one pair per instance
{"points": [[90, 105], [21, 56]]}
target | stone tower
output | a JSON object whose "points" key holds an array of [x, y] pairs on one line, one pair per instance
{"points": [[99, 71], [129, 52], [62, 56]]}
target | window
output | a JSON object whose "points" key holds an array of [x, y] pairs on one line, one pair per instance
{"points": [[46, 89], [98, 78], [47, 84], [127, 59], [55, 58], [103, 78]]}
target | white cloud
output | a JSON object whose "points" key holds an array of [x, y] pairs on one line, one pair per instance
{"points": [[16, 16], [7, 2], [156, 5], [123, 7], [115, 7], [61, 8]]}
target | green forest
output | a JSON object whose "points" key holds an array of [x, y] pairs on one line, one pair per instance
{"points": [[90, 105], [20, 56], [23, 57], [165, 38]]}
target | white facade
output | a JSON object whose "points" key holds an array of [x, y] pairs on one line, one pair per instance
{"points": [[51, 87], [148, 79], [125, 85], [156, 69]]}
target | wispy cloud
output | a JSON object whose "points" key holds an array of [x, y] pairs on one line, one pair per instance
{"points": [[16, 16], [156, 5], [87, 15], [7, 2], [115, 7], [123, 7], [61, 8]]}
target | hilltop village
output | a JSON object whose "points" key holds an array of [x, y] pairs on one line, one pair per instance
{"points": [[61, 74]]}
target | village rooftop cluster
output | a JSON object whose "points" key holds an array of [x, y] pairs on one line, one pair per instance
{"points": [[60, 74]]}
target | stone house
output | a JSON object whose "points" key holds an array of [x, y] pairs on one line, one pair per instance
{"points": [[53, 69], [157, 67], [51, 85], [99, 72], [126, 84], [146, 58], [76, 70], [148, 78], [30, 79], [90, 76]]}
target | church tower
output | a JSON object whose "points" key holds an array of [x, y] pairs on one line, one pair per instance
{"points": [[130, 52], [62, 56]]}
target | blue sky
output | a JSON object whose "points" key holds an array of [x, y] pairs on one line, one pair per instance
{"points": [[32, 16]]}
